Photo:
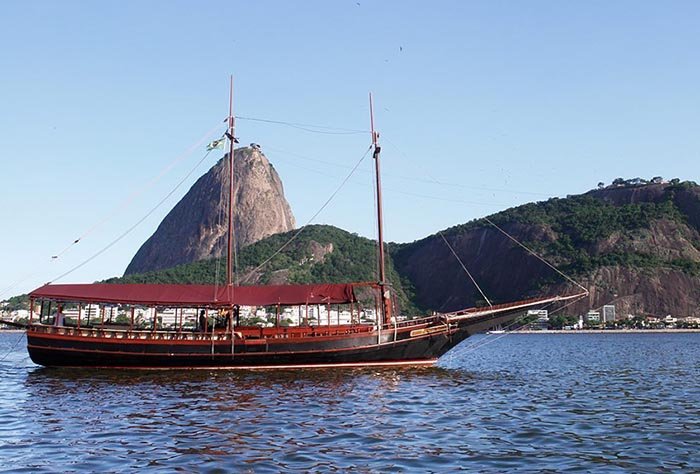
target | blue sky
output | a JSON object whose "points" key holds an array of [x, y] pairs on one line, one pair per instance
{"points": [[501, 102]]}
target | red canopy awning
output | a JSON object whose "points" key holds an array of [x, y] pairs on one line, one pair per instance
{"points": [[197, 295]]}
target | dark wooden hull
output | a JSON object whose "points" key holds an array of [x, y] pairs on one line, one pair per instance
{"points": [[413, 343]]}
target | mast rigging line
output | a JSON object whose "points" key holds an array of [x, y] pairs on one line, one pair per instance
{"points": [[465, 269], [536, 255], [488, 340], [301, 229], [140, 190], [307, 127], [404, 178], [122, 205], [542, 259], [128, 231], [391, 190], [433, 180], [22, 334]]}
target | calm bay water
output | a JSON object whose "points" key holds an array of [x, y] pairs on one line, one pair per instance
{"points": [[590, 402]]}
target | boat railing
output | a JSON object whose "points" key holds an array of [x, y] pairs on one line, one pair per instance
{"points": [[176, 335], [146, 334]]}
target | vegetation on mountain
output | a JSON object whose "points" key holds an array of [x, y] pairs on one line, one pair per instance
{"points": [[580, 222], [320, 254], [629, 239], [646, 233], [16, 302]]}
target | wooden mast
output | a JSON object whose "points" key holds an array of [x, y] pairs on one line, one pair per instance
{"points": [[385, 296], [231, 139]]}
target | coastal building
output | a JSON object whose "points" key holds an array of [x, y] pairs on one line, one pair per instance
{"points": [[609, 313], [593, 317], [19, 314], [542, 321]]}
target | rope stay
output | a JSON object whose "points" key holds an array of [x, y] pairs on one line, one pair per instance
{"points": [[535, 254], [490, 338], [219, 224], [14, 346], [307, 127], [117, 208], [301, 229], [140, 190], [532, 252], [128, 231], [465, 269], [313, 128]]}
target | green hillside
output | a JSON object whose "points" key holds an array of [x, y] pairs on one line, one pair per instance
{"points": [[637, 243], [321, 254], [624, 239]]}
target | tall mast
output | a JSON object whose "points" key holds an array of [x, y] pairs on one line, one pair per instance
{"points": [[231, 139], [385, 297]]}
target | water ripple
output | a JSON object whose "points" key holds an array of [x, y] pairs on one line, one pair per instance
{"points": [[585, 403]]}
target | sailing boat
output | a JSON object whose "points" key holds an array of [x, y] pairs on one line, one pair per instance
{"points": [[92, 339]]}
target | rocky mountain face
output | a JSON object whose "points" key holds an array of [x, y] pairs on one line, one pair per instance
{"points": [[637, 247], [634, 246], [196, 227], [319, 254]]}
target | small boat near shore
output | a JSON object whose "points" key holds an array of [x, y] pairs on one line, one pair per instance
{"points": [[91, 337]]}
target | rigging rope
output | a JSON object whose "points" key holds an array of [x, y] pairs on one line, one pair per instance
{"points": [[120, 206], [507, 235], [296, 234], [465, 269], [140, 190], [396, 176], [308, 127], [375, 248], [488, 339], [576, 300], [219, 221], [387, 188], [536, 255], [124, 234], [13, 346], [433, 180]]}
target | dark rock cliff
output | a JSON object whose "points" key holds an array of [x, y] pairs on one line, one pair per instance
{"points": [[637, 247], [195, 229]]}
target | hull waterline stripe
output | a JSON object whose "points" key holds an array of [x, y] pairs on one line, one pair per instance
{"points": [[423, 362]]}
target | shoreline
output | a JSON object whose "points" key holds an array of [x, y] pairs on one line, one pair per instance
{"points": [[541, 331], [604, 331]]}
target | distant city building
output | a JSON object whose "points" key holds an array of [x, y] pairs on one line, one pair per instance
{"points": [[593, 317], [542, 321], [608, 313]]}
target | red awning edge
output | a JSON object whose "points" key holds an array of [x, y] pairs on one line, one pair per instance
{"points": [[198, 295]]}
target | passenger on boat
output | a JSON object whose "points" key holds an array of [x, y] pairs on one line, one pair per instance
{"points": [[223, 320], [202, 321], [59, 316], [237, 314]]}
